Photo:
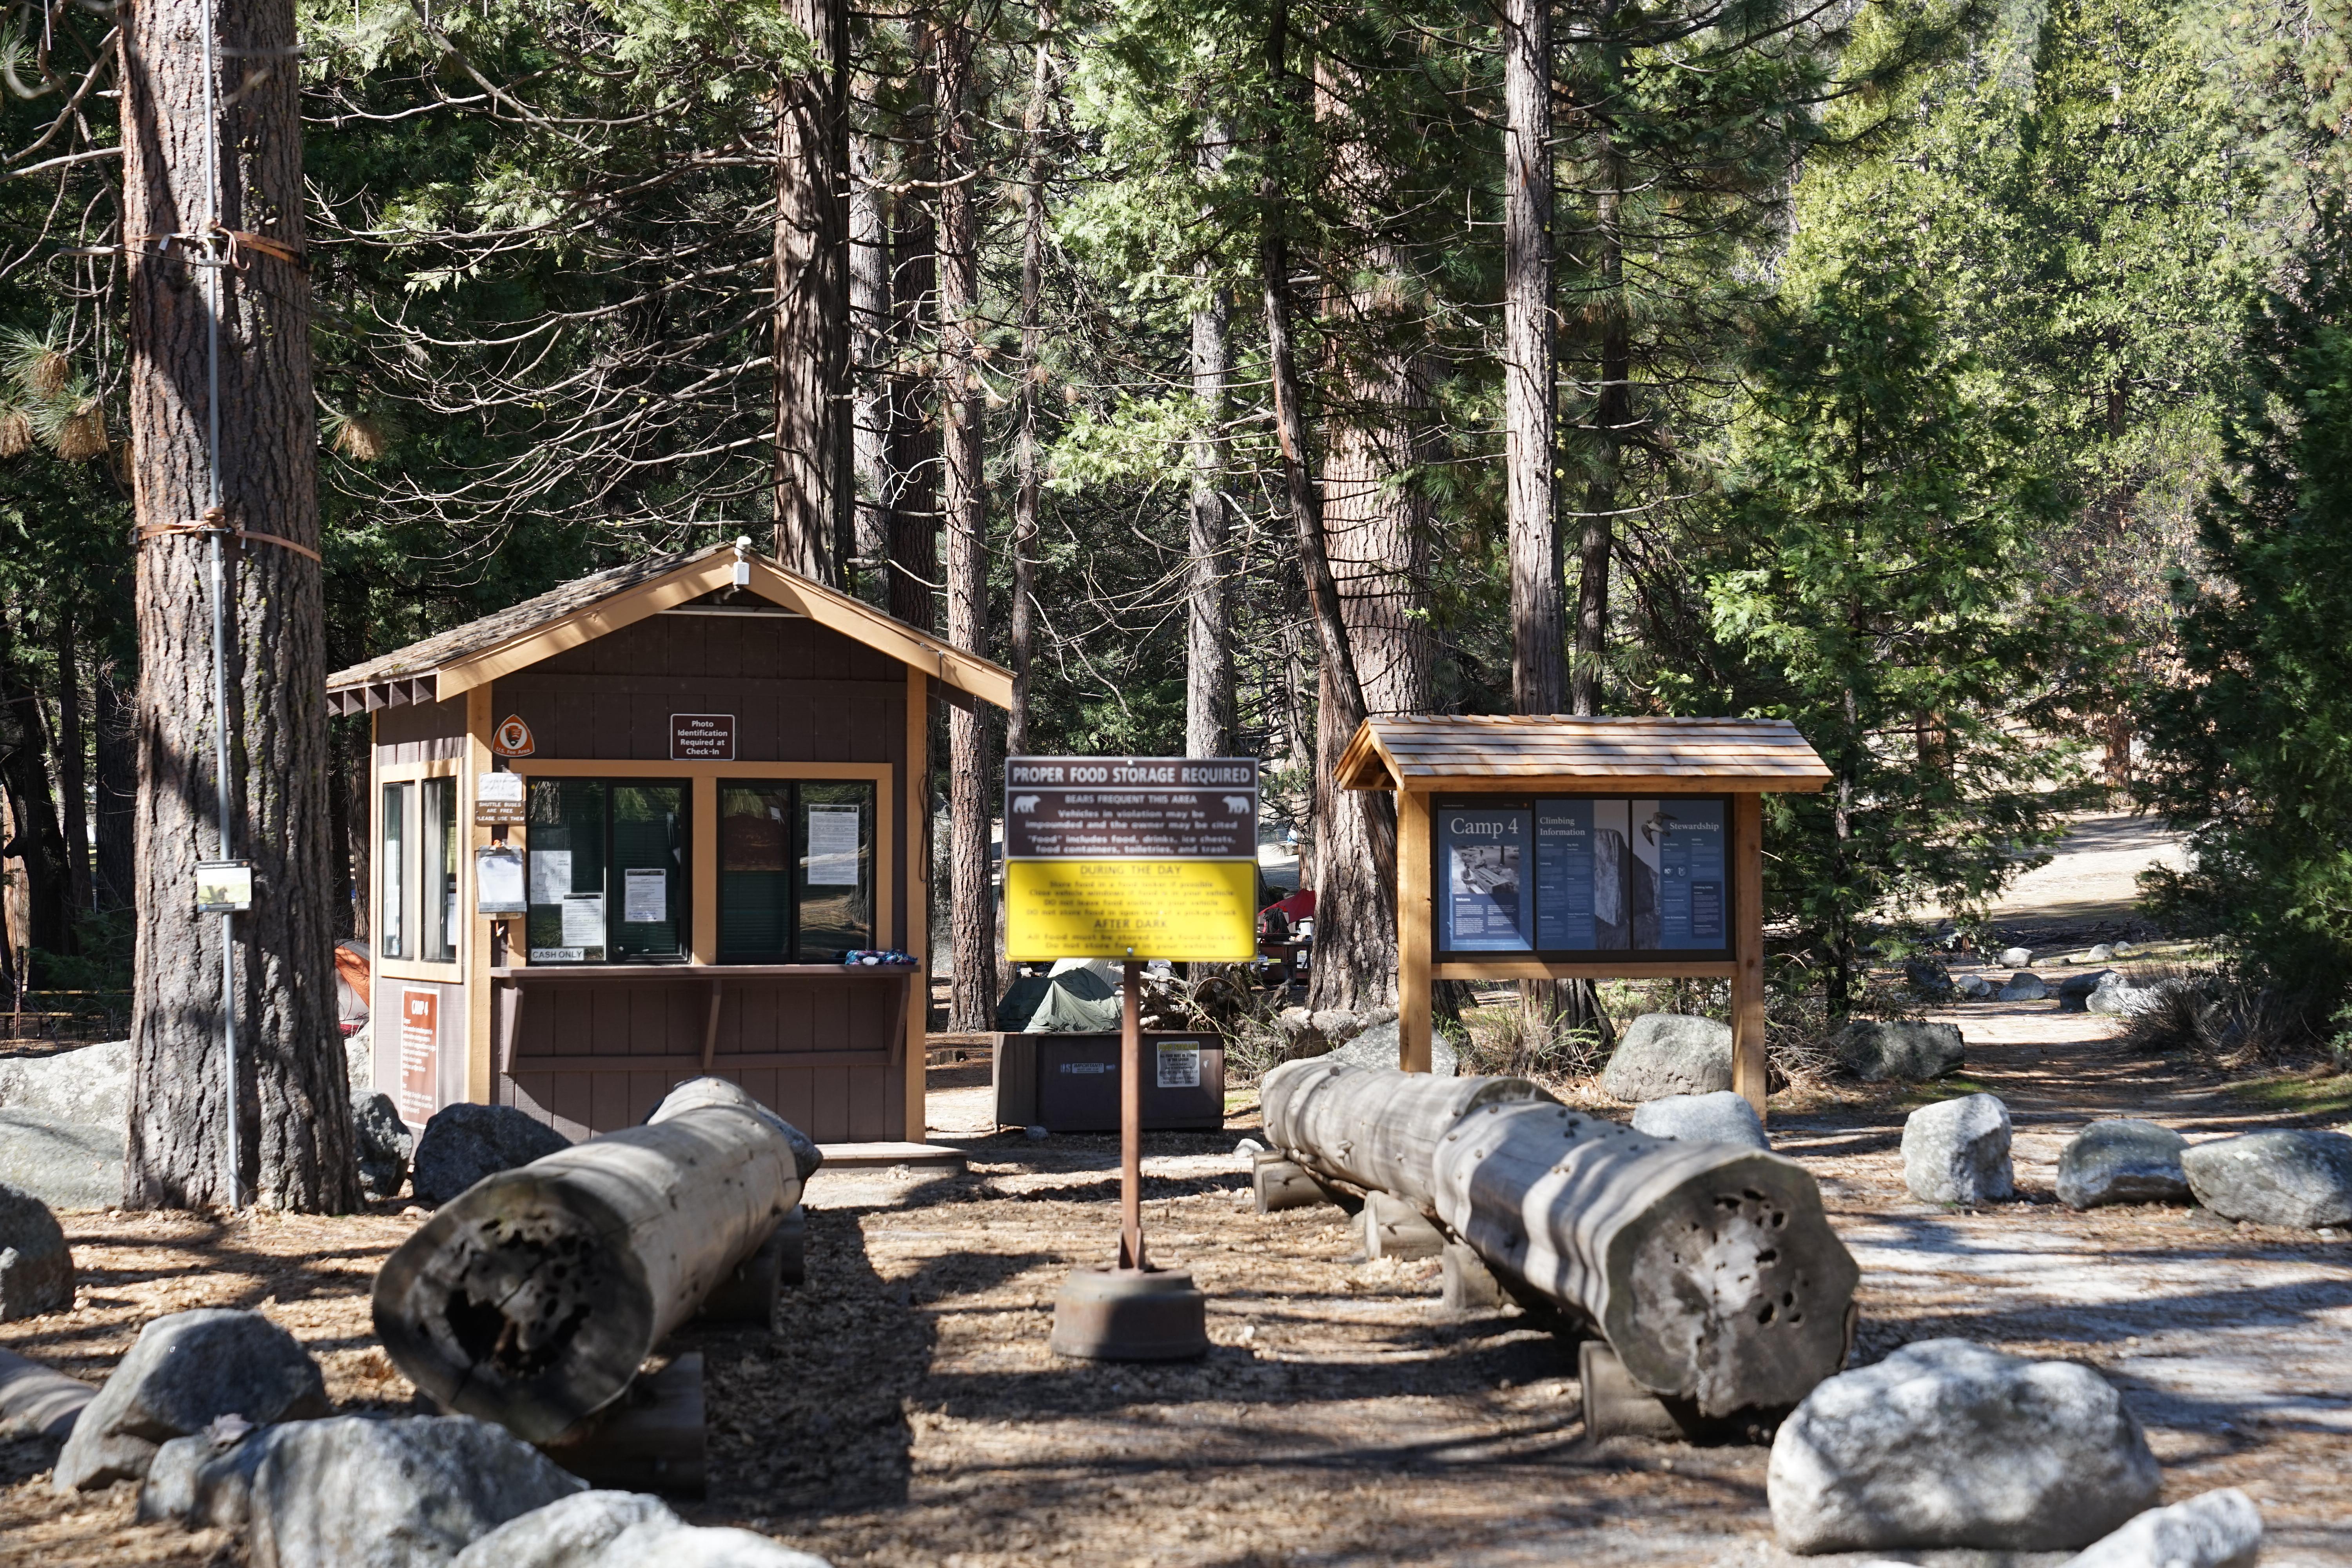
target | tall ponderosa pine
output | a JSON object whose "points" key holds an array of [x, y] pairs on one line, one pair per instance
{"points": [[294, 1103]]}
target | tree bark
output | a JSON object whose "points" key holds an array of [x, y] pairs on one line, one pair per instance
{"points": [[532, 1299], [1208, 617], [1342, 693], [812, 486], [1527, 401], [294, 1112], [73, 774], [1026, 482], [972, 997], [914, 512], [1711, 1268], [1376, 520], [116, 792], [1611, 414], [869, 330]]}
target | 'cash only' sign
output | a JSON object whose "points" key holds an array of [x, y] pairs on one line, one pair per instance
{"points": [[1130, 857]]}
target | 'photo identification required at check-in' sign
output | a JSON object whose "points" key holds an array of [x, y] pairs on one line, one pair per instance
{"points": [[1130, 857]]}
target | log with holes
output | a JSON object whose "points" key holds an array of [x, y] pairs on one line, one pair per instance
{"points": [[1710, 1269], [532, 1298]]}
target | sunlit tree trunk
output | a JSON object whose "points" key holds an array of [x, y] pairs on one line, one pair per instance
{"points": [[870, 334], [1208, 596], [294, 1107], [811, 482], [971, 765]]}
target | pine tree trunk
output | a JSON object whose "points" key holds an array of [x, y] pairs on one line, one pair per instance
{"points": [[1528, 407], [812, 482], [73, 777], [972, 1004], [869, 330], [1208, 619], [116, 792], [294, 1112], [1022, 633], [1378, 525], [914, 512], [1611, 413], [1353, 936]]}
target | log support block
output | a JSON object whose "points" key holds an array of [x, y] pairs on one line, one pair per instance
{"points": [[1279, 1184], [748, 1292], [1468, 1288], [1617, 1406], [654, 1439], [1395, 1228]]}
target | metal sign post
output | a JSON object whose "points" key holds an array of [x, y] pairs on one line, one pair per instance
{"points": [[1130, 858]]}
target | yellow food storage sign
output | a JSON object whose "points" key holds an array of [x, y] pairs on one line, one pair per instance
{"points": [[1130, 857]]}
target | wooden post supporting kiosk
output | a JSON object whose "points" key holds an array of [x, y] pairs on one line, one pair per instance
{"points": [[1581, 848]]}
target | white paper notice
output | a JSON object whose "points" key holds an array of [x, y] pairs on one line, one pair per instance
{"points": [[1180, 1064], [833, 845], [551, 876], [646, 896], [584, 919], [498, 880]]}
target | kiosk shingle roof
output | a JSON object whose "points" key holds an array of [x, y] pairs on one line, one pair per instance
{"points": [[439, 667], [1552, 751]]}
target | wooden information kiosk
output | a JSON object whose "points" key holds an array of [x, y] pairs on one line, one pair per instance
{"points": [[1566, 848], [624, 833]]}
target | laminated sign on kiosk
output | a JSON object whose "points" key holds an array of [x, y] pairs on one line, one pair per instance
{"points": [[1546, 848], [1130, 858]]}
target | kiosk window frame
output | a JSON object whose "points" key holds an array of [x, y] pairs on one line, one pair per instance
{"points": [[1524, 856]]}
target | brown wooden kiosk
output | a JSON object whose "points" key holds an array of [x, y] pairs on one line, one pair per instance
{"points": [[1581, 848], [721, 788]]}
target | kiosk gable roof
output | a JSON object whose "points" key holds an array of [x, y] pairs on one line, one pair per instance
{"points": [[1558, 753], [462, 657]]}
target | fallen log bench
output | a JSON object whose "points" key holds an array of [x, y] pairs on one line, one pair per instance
{"points": [[1710, 1269], [533, 1297]]}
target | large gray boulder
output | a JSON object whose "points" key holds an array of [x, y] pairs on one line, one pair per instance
{"points": [[184, 1372], [2123, 1160], [1722, 1117], [2015, 957], [2075, 991], [92, 1084], [65, 1165], [1948, 1444], [2212, 1529], [1668, 1053], [359, 1061], [385, 1144], [2116, 997], [1957, 1151], [1901, 1050], [36, 1273], [204, 1481], [465, 1143], [409, 1492], [622, 1529], [1930, 979], [2297, 1177], [1376, 1047], [2023, 987], [1974, 987]]}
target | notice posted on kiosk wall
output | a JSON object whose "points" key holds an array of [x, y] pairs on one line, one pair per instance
{"points": [[1581, 874], [1130, 857]]}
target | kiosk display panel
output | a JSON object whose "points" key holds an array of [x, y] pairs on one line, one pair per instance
{"points": [[1568, 878]]}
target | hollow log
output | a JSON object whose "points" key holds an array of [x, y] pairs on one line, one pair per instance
{"points": [[533, 1297], [1710, 1269], [1377, 1129]]}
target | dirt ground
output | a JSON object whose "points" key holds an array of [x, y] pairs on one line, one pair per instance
{"points": [[905, 1410]]}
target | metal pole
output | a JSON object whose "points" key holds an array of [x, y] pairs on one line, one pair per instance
{"points": [[1130, 1118], [213, 516]]}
